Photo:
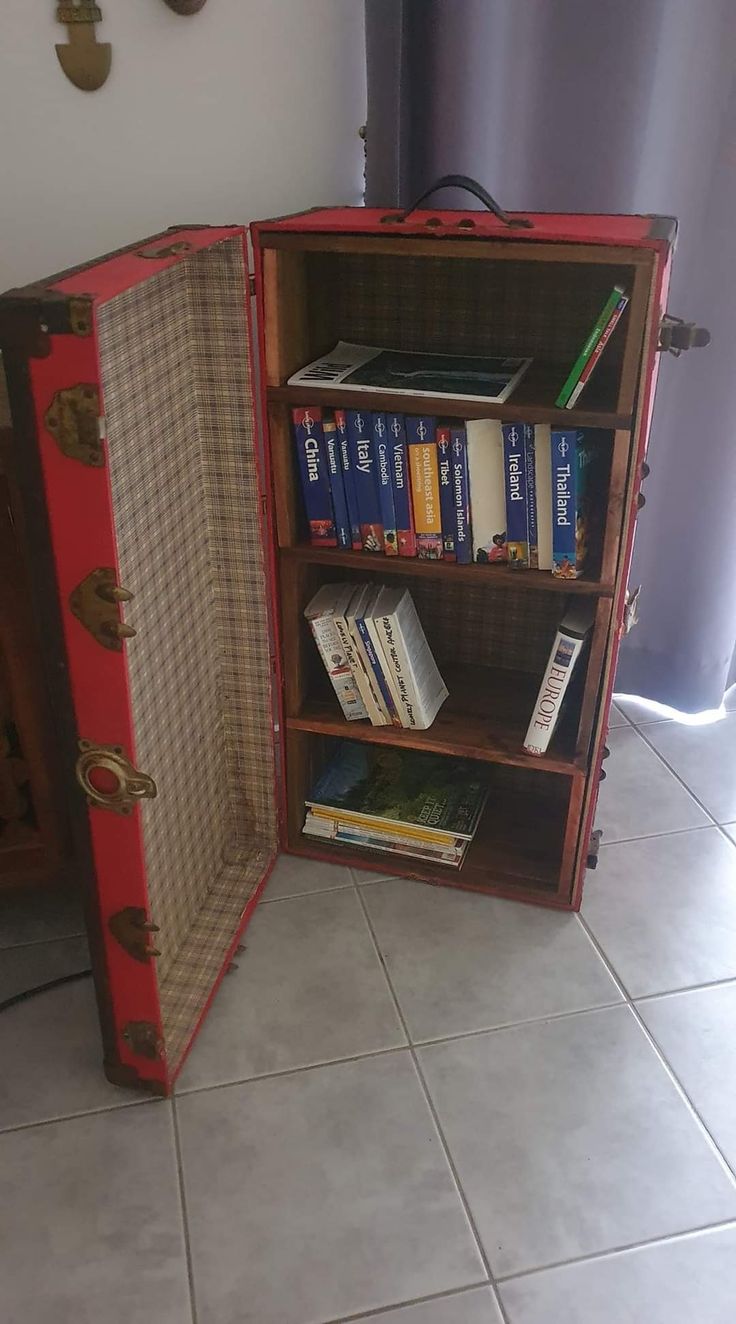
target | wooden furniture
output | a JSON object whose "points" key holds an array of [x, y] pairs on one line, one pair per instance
{"points": [[490, 627], [155, 496]]}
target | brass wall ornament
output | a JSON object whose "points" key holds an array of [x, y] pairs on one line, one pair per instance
{"points": [[185, 6], [85, 61]]}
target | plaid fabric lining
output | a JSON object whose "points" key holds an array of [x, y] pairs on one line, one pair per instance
{"points": [[186, 505], [544, 309]]}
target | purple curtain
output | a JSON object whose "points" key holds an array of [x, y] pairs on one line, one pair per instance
{"points": [[564, 105]]}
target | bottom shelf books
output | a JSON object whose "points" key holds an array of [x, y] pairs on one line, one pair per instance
{"points": [[397, 800]]}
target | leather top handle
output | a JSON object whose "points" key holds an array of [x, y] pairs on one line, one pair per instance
{"points": [[470, 186]]}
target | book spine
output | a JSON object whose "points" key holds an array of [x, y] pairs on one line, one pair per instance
{"points": [[312, 457], [394, 651], [425, 490], [363, 460], [447, 499], [354, 662], [337, 484], [406, 537], [530, 461], [461, 496], [386, 702], [336, 665], [588, 347], [595, 356], [382, 443], [351, 495], [564, 655], [515, 483], [370, 691], [564, 502]]}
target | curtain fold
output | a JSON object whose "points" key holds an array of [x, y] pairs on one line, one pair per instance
{"points": [[562, 105]]}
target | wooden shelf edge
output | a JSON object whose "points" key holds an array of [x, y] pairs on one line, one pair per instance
{"points": [[495, 576], [446, 406], [316, 723]]}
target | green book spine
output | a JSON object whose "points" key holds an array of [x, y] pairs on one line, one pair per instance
{"points": [[588, 347]]}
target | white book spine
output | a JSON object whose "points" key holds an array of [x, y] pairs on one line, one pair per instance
{"points": [[357, 666], [543, 468], [487, 490], [337, 667], [429, 686], [562, 659], [394, 650], [377, 641]]}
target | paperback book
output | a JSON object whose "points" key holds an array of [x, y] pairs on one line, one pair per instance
{"points": [[425, 490], [337, 482], [447, 497], [403, 511], [348, 475], [314, 475], [515, 480], [331, 600], [487, 490], [593, 348], [573, 472], [362, 455], [382, 443], [368, 368], [566, 650], [413, 673], [461, 495]]}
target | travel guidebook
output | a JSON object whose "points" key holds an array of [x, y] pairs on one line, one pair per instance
{"points": [[366, 368]]}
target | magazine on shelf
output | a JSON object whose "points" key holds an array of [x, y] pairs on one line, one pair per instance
{"points": [[481, 378]]}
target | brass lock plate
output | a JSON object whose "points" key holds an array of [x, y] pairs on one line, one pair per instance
{"points": [[73, 419], [94, 603], [109, 779]]}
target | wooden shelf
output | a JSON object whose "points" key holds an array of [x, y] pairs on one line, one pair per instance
{"points": [[485, 717], [517, 849], [495, 576], [532, 401]]}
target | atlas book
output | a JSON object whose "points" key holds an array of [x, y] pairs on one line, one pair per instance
{"points": [[413, 672], [514, 472], [403, 512], [425, 491], [351, 493], [398, 799], [573, 472], [315, 480], [461, 494], [593, 347], [482, 378], [487, 490], [566, 650], [337, 482], [320, 613], [447, 498], [362, 453], [382, 445]]}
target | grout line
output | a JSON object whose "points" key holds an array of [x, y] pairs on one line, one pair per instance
{"points": [[685, 988], [514, 1025], [427, 1096], [726, 1166], [298, 896], [677, 777], [291, 1071], [43, 942], [619, 1250], [183, 1208], [411, 1301], [650, 836], [73, 1117]]}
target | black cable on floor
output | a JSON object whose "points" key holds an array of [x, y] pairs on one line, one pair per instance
{"points": [[43, 988]]}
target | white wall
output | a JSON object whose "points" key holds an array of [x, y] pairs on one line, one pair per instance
{"points": [[248, 109]]}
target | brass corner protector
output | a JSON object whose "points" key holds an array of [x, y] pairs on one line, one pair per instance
{"points": [[73, 419], [144, 1039]]}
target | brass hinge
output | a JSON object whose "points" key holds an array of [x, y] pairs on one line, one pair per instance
{"points": [[676, 335], [80, 316], [130, 927], [144, 1039], [593, 848], [73, 419], [94, 602], [109, 779]]}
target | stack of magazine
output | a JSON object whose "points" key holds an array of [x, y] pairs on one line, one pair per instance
{"points": [[376, 654], [402, 801]]}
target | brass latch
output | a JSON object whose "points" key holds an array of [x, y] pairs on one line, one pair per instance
{"points": [[109, 779], [73, 419], [130, 928], [676, 335], [94, 603], [144, 1039], [591, 861]]}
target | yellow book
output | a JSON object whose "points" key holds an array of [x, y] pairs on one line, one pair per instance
{"points": [[425, 486], [430, 835]]}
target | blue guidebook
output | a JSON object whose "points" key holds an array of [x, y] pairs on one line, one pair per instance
{"points": [[362, 453], [351, 495], [530, 460], [382, 443], [312, 458], [447, 498], [573, 461], [337, 484], [514, 473], [461, 495], [403, 511]]}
